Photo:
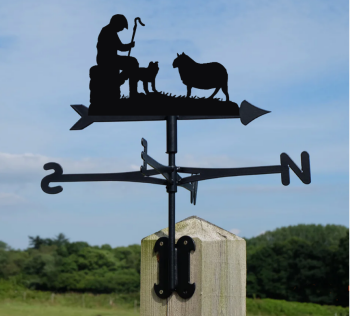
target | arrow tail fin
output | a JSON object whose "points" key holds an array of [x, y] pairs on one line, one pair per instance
{"points": [[84, 121]]}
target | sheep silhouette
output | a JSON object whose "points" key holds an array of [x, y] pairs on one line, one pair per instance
{"points": [[201, 76]]}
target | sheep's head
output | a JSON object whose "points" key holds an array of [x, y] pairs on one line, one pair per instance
{"points": [[178, 60]]}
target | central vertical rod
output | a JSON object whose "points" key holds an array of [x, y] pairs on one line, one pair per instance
{"points": [[171, 132]]}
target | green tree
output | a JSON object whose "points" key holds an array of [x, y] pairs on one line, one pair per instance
{"points": [[297, 270], [339, 266], [130, 256], [318, 235], [60, 240], [106, 247], [4, 246], [37, 242], [75, 247], [12, 263]]}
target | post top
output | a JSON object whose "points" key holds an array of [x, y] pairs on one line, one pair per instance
{"points": [[196, 227]]}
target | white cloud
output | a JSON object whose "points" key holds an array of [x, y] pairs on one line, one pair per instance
{"points": [[11, 199], [235, 231]]}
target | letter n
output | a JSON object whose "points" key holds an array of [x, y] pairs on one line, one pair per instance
{"points": [[303, 174]]}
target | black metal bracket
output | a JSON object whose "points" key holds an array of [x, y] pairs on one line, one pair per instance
{"points": [[166, 172], [182, 267]]}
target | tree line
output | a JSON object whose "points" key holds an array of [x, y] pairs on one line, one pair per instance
{"points": [[304, 263], [59, 265]]}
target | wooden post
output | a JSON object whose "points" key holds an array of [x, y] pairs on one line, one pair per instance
{"points": [[218, 267]]}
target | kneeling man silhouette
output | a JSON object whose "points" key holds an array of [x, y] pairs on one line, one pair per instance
{"points": [[108, 45]]}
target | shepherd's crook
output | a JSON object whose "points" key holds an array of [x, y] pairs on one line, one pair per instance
{"points": [[133, 34]]}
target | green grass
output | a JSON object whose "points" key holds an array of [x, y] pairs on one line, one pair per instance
{"points": [[263, 307], [15, 300], [269, 307], [98, 305], [22, 309]]}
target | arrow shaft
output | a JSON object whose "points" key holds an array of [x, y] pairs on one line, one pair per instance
{"points": [[206, 173], [247, 113], [134, 176]]}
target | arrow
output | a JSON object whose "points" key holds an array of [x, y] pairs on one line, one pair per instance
{"points": [[247, 113]]}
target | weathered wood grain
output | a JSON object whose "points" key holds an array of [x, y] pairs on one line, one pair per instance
{"points": [[218, 267]]}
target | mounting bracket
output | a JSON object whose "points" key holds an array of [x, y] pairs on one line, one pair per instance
{"points": [[183, 248]]}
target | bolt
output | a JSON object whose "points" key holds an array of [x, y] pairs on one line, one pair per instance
{"points": [[185, 242], [161, 243], [161, 292]]}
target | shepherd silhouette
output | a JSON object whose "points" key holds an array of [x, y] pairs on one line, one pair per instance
{"points": [[108, 45]]}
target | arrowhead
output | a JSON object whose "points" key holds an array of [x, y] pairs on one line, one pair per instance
{"points": [[248, 112]]}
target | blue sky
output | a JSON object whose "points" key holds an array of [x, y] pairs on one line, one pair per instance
{"points": [[289, 57]]}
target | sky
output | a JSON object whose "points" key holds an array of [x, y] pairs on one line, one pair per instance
{"points": [[290, 57]]}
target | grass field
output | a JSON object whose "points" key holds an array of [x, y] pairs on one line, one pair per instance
{"points": [[10, 307], [19, 301], [22, 309]]}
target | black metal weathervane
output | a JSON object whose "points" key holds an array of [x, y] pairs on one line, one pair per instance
{"points": [[108, 106]]}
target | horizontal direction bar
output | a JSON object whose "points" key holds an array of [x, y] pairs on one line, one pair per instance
{"points": [[58, 176], [134, 176], [212, 173]]}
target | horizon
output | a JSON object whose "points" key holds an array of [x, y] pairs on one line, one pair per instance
{"points": [[91, 245]]}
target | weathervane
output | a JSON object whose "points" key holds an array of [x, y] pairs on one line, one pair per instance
{"points": [[108, 106]]}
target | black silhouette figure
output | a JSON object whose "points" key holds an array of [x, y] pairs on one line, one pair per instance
{"points": [[107, 51], [105, 77], [113, 70], [201, 76], [147, 75]]}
